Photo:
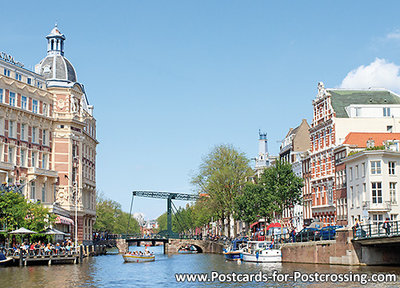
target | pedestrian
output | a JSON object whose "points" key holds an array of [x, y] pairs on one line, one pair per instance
{"points": [[386, 225]]}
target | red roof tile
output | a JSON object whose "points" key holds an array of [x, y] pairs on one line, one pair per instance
{"points": [[360, 138]]}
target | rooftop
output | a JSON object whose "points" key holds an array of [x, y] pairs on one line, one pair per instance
{"points": [[341, 98], [360, 138]]}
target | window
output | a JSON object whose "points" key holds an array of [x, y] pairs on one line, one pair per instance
{"points": [[44, 161], [23, 155], [375, 167], [29, 81], [364, 197], [33, 159], [393, 217], [33, 190], [392, 166], [18, 76], [357, 175], [10, 154], [34, 134], [351, 174], [11, 129], [44, 109], [12, 98], [23, 129], [358, 111], [44, 193], [352, 196], [377, 218], [363, 170], [23, 102], [376, 192], [392, 192], [1, 95], [389, 128], [44, 137], [6, 72], [34, 106], [386, 111]]}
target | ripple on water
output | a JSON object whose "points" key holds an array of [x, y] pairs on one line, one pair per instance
{"points": [[111, 271]]}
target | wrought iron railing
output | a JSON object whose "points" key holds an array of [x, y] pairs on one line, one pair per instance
{"points": [[376, 230]]}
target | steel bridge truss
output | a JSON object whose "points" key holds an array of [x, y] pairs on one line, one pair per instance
{"points": [[169, 196]]}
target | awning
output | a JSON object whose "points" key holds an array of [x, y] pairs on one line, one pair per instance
{"points": [[64, 220], [274, 225]]}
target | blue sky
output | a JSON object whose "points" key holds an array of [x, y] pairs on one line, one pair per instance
{"points": [[171, 79]]}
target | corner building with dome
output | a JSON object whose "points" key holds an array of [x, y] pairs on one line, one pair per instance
{"points": [[48, 137]]}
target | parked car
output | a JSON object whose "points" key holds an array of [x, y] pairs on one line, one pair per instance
{"points": [[329, 232], [308, 234]]}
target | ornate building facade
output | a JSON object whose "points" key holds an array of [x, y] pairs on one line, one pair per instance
{"points": [[337, 112], [48, 137]]}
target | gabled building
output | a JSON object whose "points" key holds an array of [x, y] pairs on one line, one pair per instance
{"points": [[337, 112], [293, 150]]}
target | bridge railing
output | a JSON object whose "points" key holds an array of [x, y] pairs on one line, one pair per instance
{"points": [[377, 229]]}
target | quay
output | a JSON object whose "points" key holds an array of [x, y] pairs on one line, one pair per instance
{"points": [[39, 258]]}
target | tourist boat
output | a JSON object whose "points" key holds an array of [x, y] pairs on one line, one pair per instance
{"points": [[138, 258], [261, 252], [188, 250], [234, 251], [4, 260]]}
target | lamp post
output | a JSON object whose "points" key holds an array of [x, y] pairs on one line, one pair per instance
{"points": [[75, 184]]}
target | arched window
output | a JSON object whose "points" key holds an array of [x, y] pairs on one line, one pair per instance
{"points": [[52, 44]]}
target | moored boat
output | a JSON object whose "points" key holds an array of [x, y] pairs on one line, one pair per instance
{"points": [[261, 252], [188, 250], [234, 251], [136, 258], [4, 260]]}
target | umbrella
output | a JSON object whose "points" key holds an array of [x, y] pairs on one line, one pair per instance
{"points": [[53, 231], [23, 231]]}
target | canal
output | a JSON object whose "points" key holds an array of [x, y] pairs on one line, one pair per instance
{"points": [[110, 271]]}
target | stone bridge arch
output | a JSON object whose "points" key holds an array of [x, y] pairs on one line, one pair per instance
{"points": [[205, 246]]}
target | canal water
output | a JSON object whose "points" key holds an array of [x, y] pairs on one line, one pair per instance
{"points": [[111, 271]]}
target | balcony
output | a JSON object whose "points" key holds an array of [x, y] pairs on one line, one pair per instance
{"points": [[377, 207], [42, 172]]}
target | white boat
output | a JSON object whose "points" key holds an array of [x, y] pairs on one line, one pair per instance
{"points": [[261, 252], [4, 260], [138, 258]]}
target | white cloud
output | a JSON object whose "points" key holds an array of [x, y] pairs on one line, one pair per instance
{"points": [[395, 35], [378, 74]]}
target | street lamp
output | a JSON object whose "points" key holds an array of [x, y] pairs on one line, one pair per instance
{"points": [[75, 184]]}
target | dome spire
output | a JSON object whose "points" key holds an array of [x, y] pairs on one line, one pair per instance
{"points": [[55, 42]]}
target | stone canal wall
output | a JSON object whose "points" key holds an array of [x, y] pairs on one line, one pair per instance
{"points": [[342, 251]]}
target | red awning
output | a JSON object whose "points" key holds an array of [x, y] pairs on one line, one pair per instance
{"points": [[64, 220], [273, 225]]}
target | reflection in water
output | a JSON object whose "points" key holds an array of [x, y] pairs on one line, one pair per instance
{"points": [[111, 271]]}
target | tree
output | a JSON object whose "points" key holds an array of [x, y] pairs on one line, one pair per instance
{"points": [[221, 175], [110, 218], [16, 212], [282, 186], [254, 203]]}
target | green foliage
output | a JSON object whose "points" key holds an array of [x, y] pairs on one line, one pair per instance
{"points": [[278, 188], [382, 147], [110, 218], [222, 174], [16, 212]]}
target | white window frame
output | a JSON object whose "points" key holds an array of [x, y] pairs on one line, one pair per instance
{"points": [[392, 167], [392, 192], [12, 98], [376, 167], [376, 192]]}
